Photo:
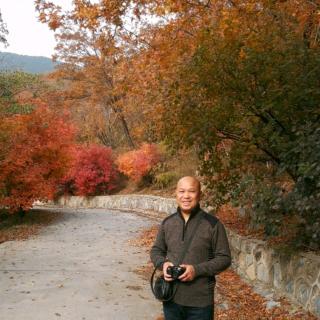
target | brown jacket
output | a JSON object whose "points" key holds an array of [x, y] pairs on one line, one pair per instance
{"points": [[208, 252]]}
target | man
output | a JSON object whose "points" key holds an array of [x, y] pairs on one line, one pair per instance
{"points": [[208, 254]]}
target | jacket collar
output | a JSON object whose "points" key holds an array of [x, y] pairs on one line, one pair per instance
{"points": [[194, 211]]}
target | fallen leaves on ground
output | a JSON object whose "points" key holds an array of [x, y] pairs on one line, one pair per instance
{"points": [[146, 238], [234, 299], [13, 227], [243, 303], [231, 219]]}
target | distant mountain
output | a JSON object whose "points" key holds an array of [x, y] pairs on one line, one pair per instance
{"points": [[12, 61]]}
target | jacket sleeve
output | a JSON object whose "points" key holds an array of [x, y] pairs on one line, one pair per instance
{"points": [[158, 251], [222, 256]]}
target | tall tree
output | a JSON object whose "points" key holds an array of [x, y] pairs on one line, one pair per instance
{"points": [[249, 100], [89, 50]]}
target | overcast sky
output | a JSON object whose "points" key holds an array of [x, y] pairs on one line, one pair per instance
{"points": [[26, 35]]}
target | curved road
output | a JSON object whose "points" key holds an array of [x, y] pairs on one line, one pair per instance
{"points": [[79, 268]]}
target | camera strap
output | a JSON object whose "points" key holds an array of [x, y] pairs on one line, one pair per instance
{"points": [[183, 253]]}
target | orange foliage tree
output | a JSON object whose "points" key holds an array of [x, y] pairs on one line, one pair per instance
{"points": [[35, 154], [128, 54], [89, 51], [137, 164]]}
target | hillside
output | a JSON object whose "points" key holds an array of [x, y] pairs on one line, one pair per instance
{"points": [[31, 64]]}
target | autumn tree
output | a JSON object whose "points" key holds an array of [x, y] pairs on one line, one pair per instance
{"points": [[35, 152], [249, 100], [89, 50], [35, 141], [166, 41]]}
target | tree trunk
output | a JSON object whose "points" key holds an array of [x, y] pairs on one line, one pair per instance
{"points": [[126, 131]]}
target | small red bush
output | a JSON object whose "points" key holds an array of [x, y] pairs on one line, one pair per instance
{"points": [[93, 172], [136, 164]]}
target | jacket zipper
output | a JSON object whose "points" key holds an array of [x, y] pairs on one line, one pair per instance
{"points": [[185, 224]]}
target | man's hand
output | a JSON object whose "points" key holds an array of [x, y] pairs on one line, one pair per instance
{"points": [[189, 274], [167, 277]]}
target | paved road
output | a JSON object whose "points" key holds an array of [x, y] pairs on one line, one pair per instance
{"points": [[80, 268]]}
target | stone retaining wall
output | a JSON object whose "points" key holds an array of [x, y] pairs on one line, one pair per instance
{"points": [[130, 202], [295, 276], [298, 276]]}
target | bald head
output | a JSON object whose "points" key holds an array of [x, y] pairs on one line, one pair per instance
{"points": [[188, 193], [190, 181]]}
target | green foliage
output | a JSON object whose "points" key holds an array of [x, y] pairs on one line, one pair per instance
{"points": [[11, 85], [165, 179]]}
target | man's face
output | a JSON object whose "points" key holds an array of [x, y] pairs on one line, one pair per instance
{"points": [[187, 194]]}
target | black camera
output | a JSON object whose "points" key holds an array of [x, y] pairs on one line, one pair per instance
{"points": [[175, 271]]}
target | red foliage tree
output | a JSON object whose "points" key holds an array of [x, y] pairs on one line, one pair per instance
{"points": [[136, 164], [34, 156], [92, 173]]}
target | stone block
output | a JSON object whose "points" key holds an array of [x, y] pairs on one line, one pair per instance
{"points": [[272, 304], [248, 245], [311, 270], [277, 275], [289, 287], [243, 245], [251, 273], [249, 259], [237, 242], [263, 273], [302, 291], [316, 306], [242, 261], [315, 300], [298, 265], [267, 258]]}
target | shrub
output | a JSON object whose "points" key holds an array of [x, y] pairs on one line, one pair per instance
{"points": [[165, 179], [35, 153], [93, 172], [137, 164]]}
